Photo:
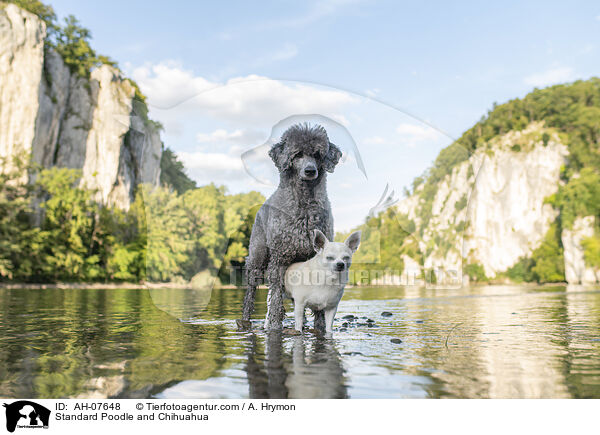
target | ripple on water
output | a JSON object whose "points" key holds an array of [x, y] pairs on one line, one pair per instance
{"points": [[499, 341]]}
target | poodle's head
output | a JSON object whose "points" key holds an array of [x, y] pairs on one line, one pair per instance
{"points": [[305, 152]]}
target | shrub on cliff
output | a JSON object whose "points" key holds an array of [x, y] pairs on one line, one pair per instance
{"points": [[548, 258], [70, 40], [72, 43], [591, 250]]}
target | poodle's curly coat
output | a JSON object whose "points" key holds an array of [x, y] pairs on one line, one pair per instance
{"points": [[282, 230]]}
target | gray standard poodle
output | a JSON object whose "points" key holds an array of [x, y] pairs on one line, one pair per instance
{"points": [[281, 234]]}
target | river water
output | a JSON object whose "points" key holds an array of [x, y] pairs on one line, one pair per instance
{"points": [[479, 342]]}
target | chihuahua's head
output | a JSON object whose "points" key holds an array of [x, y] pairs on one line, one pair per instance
{"points": [[335, 256]]}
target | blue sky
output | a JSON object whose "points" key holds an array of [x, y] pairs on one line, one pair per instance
{"points": [[220, 75]]}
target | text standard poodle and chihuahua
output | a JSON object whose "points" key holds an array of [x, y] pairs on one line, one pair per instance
{"points": [[284, 229]]}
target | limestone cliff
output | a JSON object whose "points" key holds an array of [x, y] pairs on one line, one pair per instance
{"points": [[492, 209], [62, 119]]}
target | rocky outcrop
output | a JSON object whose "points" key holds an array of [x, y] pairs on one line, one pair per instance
{"points": [[62, 119], [507, 213], [21, 66], [576, 271], [491, 210]]}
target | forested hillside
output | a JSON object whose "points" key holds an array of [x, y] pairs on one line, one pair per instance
{"points": [[510, 134], [106, 200], [164, 236]]}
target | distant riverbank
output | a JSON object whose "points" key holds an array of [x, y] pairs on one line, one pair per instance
{"points": [[173, 285], [102, 286]]}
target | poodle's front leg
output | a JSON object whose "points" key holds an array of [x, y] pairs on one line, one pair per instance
{"points": [[253, 278], [275, 308], [256, 263], [319, 320]]}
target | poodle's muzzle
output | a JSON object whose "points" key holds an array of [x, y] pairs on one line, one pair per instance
{"points": [[307, 168]]}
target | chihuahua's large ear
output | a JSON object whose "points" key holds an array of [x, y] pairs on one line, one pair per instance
{"points": [[279, 157], [353, 241], [318, 240], [332, 158]]}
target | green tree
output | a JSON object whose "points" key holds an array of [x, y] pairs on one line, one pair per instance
{"points": [[548, 258], [204, 211], [126, 240], [476, 272], [16, 230], [240, 212], [522, 271], [579, 197], [70, 240], [591, 250], [167, 233], [172, 173], [72, 43]]}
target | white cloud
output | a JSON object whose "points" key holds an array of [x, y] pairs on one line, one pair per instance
{"points": [[222, 136], [212, 167], [375, 140], [407, 134], [417, 133], [341, 119], [550, 77], [251, 100]]}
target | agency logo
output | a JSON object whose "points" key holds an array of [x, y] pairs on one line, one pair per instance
{"points": [[24, 414]]}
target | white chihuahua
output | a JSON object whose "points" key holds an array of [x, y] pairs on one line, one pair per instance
{"points": [[319, 283]]}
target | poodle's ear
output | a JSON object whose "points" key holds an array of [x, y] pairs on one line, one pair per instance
{"points": [[279, 156], [353, 241], [318, 240], [332, 158]]}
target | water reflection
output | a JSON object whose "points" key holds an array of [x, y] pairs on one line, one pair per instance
{"points": [[479, 342], [312, 368]]}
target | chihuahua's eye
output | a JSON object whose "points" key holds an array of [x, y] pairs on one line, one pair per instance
{"points": [[329, 258], [346, 258]]}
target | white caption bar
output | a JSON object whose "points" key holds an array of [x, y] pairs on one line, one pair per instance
{"points": [[73, 416]]}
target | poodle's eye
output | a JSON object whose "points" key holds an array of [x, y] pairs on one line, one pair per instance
{"points": [[346, 258], [329, 258], [298, 155]]}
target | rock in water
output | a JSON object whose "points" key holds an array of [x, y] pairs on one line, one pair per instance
{"points": [[243, 325]]}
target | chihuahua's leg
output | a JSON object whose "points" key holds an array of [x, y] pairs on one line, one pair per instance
{"points": [[329, 316], [319, 321], [299, 314]]}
